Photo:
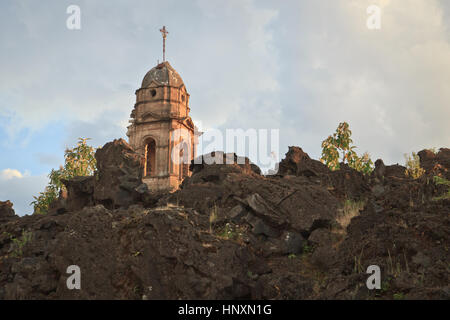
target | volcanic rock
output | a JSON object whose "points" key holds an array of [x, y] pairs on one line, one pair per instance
{"points": [[232, 233], [119, 174], [6, 211], [298, 163]]}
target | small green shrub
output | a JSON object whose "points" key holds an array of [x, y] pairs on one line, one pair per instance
{"points": [[307, 249], [230, 232], [340, 141], [42, 202], [413, 168], [251, 275], [79, 161], [386, 285], [441, 181], [399, 296], [19, 243]]}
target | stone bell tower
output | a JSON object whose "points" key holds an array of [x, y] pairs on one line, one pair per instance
{"points": [[161, 128]]}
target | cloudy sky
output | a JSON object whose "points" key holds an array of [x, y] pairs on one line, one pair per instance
{"points": [[300, 66]]}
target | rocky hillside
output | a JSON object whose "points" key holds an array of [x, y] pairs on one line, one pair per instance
{"points": [[231, 233]]}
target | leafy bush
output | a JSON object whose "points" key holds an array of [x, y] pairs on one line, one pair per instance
{"points": [[79, 161], [43, 201], [362, 164], [441, 181], [340, 141], [413, 168]]}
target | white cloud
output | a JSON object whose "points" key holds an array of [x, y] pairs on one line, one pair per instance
{"points": [[237, 61], [8, 174], [19, 188], [225, 55], [391, 85]]}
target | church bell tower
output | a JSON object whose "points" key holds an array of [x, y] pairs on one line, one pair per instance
{"points": [[160, 127]]}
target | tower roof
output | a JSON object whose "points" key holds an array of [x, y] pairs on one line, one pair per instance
{"points": [[162, 74]]}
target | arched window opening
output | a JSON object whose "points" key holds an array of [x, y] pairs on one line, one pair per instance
{"points": [[153, 92], [150, 158]]}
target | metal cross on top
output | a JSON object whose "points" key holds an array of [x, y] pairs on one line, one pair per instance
{"points": [[164, 35]]}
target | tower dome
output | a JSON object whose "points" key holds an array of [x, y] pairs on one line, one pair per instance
{"points": [[163, 74]]}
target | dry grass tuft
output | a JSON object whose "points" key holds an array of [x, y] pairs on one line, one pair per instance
{"points": [[351, 209]]}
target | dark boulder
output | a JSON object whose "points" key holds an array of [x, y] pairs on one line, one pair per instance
{"points": [[119, 175], [80, 192], [298, 163], [6, 211], [380, 169], [427, 159], [435, 163], [395, 171], [117, 183], [220, 158], [348, 183]]}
